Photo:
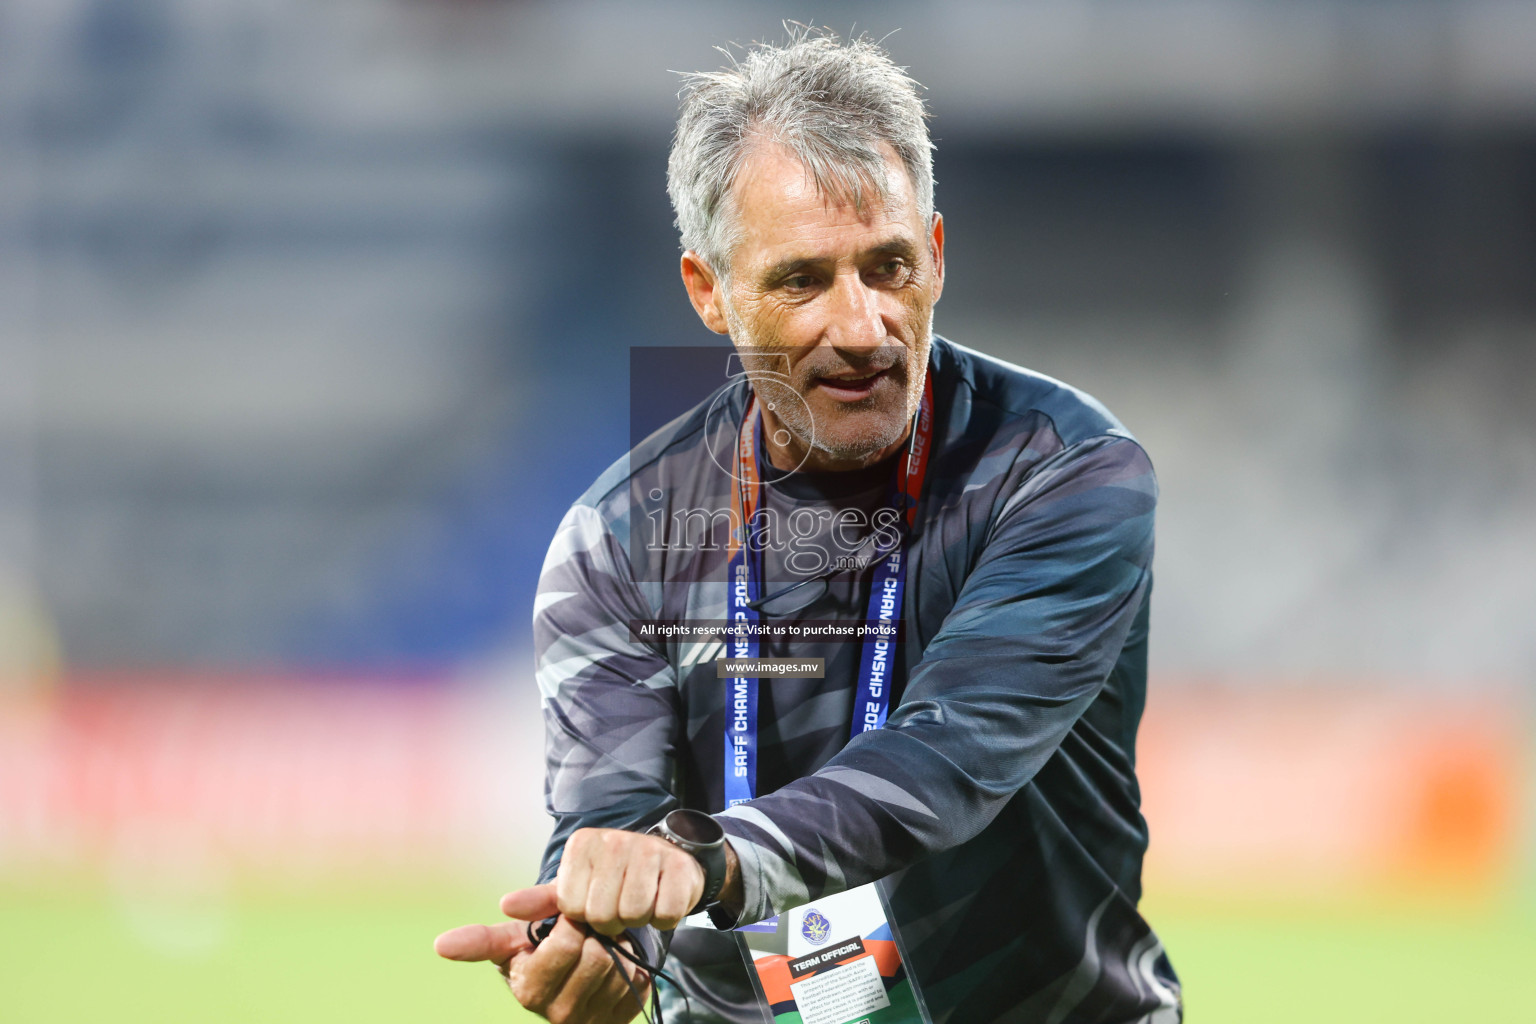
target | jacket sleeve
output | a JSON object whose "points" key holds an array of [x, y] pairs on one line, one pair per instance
{"points": [[609, 702], [1033, 635]]}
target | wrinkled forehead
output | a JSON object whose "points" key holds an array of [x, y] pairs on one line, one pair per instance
{"points": [[783, 208], [772, 170]]}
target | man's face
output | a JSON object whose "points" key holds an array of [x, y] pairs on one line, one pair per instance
{"points": [[831, 310]]}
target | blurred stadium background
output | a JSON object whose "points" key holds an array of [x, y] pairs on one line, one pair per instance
{"points": [[315, 316]]}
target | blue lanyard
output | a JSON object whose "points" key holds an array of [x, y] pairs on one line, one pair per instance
{"points": [[741, 699], [872, 700]]}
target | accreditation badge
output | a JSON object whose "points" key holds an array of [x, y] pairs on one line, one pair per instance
{"points": [[833, 961]]}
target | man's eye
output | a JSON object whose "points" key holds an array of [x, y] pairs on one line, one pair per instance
{"points": [[891, 268], [799, 282]]}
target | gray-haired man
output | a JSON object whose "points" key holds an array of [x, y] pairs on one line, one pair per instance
{"points": [[996, 810]]}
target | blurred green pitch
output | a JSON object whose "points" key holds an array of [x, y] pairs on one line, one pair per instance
{"points": [[71, 951]]}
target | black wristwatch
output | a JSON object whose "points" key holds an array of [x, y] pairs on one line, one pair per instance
{"points": [[702, 836]]}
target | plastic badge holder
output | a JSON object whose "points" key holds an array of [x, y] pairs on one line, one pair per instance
{"points": [[834, 961]]}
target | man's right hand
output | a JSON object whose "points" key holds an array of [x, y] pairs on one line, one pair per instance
{"points": [[568, 979]]}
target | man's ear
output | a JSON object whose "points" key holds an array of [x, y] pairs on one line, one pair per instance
{"points": [[936, 250], [705, 292]]}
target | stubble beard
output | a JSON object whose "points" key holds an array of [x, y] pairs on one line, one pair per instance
{"points": [[788, 403]]}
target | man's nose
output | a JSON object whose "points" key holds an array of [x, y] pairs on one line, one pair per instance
{"points": [[856, 320]]}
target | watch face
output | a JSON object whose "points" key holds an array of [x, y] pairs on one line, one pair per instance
{"points": [[695, 827]]}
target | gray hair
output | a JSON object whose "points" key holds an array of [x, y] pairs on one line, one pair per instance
{"points": [[830, 103]]}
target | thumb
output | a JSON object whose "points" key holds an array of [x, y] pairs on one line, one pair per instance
{"points": [[532, 904], [495, 942]]}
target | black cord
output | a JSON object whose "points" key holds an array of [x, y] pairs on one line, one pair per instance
{"points": [[538, 931], [614, 949]]}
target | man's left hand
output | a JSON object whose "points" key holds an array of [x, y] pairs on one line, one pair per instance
{"points": [[614, 880]]}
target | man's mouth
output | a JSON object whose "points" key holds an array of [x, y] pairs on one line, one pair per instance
{"points": [[853, 386]]}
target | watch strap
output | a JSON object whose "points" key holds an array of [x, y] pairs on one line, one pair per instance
{"points": [[711, 857]]}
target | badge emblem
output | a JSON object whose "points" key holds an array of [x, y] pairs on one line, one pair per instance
{"points": [[815, 927]]}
